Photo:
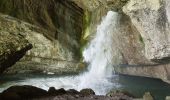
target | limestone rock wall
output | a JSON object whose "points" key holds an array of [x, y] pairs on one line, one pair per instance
{"points": [[151, 20], [45, 56], [62, 18]]}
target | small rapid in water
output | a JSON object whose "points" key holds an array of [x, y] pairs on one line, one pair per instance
{"points": [[98, 55]]}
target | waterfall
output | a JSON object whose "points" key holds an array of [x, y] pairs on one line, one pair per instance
{"points": [[99, 56]]}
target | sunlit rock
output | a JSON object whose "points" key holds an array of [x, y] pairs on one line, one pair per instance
{"points": [[150, 17]]}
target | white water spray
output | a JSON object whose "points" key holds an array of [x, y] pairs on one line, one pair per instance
{"points": [[99, 56]]}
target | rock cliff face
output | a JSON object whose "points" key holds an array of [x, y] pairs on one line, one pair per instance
{"points": [[47, 55], [55, 36], [151, 20], [62, 18]]}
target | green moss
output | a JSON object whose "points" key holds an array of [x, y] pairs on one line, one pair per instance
{"points": [[86, 30], [141, 39], [86, 24]]}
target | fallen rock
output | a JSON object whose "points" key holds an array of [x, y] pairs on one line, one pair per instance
{"points": [[87, 92], [33, 93], [72, 91], [53, 91], [22, 93]]}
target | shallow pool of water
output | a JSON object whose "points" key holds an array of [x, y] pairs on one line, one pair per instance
{"points": [[139, 85], [135, 85]]}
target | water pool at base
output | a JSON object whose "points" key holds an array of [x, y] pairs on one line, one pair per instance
{"points": [[134, 85]]}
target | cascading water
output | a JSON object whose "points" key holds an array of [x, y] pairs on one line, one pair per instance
{"points": [[99, 56]]}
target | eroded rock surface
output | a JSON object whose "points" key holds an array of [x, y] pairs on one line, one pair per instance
{"points": [[46, 55], [92, 5], [13, 47], [55, 37], [151, 19], [62, 19]]}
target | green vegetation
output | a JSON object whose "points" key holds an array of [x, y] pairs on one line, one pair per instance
{"points": [[141, 39], [86, 30]]}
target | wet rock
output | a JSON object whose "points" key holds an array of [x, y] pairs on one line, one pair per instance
{"points": [[22, 92], [33, 93], [119, 91], [53, 91], [87, 92], [147, 96], [120, 95], [72, 91]]}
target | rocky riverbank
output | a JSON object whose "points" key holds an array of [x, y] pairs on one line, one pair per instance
{"points": [[33, 93]]}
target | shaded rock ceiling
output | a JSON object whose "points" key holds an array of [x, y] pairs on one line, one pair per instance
{"points": [[94, 4]]}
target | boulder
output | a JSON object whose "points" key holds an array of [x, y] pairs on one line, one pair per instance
{"points": [[53, 91], [22, 92], [72, 91], [87, 92]]}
